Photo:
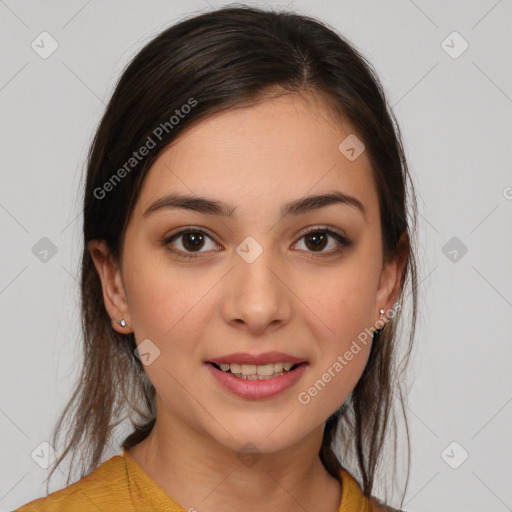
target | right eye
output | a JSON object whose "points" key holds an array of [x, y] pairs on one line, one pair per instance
{"points": [[189, 241]]}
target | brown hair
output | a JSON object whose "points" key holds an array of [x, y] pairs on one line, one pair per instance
{"points": [[213, 62]]}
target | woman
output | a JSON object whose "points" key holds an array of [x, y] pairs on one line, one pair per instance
{"points": [[246, 251]]}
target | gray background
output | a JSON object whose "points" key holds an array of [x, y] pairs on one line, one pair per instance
{"points": [[455, 114]]}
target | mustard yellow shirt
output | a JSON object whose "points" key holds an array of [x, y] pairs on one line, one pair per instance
{"points": [[121, 485]]}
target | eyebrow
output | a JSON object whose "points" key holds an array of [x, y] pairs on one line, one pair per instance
{"points": [[214, 207]]}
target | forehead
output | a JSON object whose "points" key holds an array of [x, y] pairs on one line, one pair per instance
{"points": [[276, 150]]}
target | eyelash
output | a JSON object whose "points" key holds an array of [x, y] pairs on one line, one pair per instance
{"points": [[342, 241]]}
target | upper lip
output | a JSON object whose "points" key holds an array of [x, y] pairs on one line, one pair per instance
{"points": [[258, 359]]}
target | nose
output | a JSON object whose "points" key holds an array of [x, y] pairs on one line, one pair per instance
{"points": [[257, 298]]}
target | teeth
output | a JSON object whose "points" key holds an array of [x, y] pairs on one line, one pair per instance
{"points": [[248, 369], [256, 372], [278, 367], [265, 369]]}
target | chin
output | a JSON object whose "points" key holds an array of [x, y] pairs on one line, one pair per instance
{"points": [[261, 436]]}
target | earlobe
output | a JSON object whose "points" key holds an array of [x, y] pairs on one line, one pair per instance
{"points": [[114, 295]]}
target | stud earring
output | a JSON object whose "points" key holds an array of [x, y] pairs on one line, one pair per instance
{"points": [[122, 322], [381, 311]]}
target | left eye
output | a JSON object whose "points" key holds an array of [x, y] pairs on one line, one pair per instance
{"points": [[317, 239]]}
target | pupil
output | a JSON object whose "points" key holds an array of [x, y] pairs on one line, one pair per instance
{"points": [[318, 240], [192, 240]]}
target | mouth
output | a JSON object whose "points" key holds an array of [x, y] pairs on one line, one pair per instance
{"points": [[258, 371], [257, 376]]}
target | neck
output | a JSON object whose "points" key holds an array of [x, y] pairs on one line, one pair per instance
{"points": [[201, 474]]}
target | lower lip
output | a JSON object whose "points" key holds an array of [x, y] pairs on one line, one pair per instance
{"points": [[257, 389]]}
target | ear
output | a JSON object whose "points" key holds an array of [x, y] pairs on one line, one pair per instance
{"points": [[390, 283], [114, 295]]}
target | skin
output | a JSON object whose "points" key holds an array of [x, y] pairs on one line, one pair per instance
{"points": [[291, 299]]}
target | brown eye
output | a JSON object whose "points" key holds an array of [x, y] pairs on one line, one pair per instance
{"points": [[192, 240], [317, 241], [190, 243]]}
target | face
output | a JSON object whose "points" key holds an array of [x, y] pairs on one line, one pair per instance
{"points": [[206, 288]]}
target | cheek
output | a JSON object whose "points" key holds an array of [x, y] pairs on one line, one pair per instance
{"points": [[172, 310], [343, 299], [344, 303], [335, 373], [167, 304]]}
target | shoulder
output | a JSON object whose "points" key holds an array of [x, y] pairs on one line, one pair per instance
{"points": [[354, 500], [106, 488]]}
